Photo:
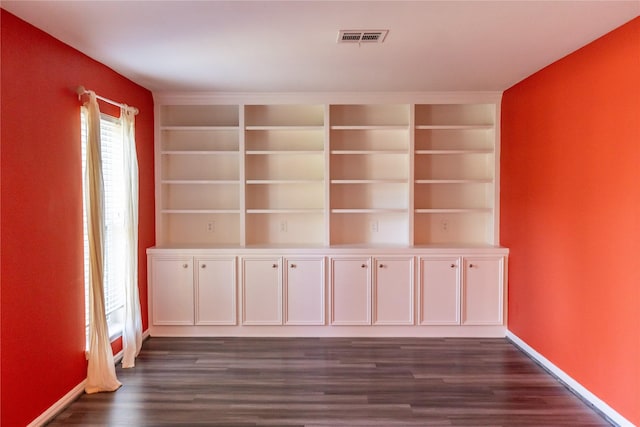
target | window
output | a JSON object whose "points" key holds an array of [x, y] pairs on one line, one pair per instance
{"points": [[114, 238]]}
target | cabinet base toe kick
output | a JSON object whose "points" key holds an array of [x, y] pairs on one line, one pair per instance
{"points": [[329, 331]]}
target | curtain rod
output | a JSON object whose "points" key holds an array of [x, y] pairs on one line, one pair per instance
{"points": [[80, 90]]}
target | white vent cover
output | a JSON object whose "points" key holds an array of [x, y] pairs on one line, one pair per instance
{"points": [[362, 36]]}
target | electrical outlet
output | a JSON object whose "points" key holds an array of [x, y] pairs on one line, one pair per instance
{"points": [[444, 225], [373, 226], [283, 226], [211, 226]]}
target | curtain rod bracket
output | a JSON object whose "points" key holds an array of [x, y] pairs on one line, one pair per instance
{"points": [[81, 90]]}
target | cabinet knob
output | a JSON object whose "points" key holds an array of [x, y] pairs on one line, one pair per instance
{"points": [[453, 266], [363, 266], [473, 266], [381, 266], [203, 266], [185, 265], [274, 266], [293, 266]]}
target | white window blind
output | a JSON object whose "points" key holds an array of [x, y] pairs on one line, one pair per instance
{"points": [[113, 174]]}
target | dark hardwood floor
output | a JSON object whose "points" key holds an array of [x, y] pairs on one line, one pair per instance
{"points": [[332, 382]]}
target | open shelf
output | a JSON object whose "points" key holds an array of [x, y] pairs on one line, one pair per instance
{"points": [[369, 166], [455, 116], [285, 227], [284, 116], [468, 166], [200, 228], [369, 116], [369, 227], [199, 116], [464, 227], [454, 171]]}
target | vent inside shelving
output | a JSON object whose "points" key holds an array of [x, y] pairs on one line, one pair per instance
{"points": [[362, 36]]}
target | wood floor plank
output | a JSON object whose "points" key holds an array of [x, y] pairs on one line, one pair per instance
{"points": [[239, 382]]}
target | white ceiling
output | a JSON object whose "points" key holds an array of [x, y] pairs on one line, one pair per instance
{"points": [[290, 46]]}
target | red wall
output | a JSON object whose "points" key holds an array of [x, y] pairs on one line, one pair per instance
{"points": [[42, 304], [570, 209]]}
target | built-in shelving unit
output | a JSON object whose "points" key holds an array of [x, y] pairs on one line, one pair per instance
{"points": [[369, 164], [327, 215], [199, 185], [323, 174], [284, 169], [454, 164]]}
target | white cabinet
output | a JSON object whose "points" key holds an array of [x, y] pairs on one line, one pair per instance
{"points": [[360, 296], [350, 291], [362, 292], [439, 295], [172, 291], [294, 294], [483, 291], [304, 291], [393, 291], [216, 291], [180, 297], [461, 290], [262, 291]]}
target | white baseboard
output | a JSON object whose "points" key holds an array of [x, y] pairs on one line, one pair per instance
{"points": [[575, 386], [76, 392], [59, 406]]}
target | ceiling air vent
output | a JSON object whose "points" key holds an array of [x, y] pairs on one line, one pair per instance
{"points": [[362, 36]]}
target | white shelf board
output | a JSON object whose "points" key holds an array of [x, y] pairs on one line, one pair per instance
{"points": [[284, 211], [367, 210], [451, 210], [200, 211], [453, 127], [453, 181], [454, 151], [201, 152], [370, 127], [285, 128], [199, 181], [284, 181], [200, 128], [369, 181], [365, 152], [279, 152]]}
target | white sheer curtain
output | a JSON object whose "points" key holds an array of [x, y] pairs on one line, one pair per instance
{"points": [[101, 372], [132, 335]]}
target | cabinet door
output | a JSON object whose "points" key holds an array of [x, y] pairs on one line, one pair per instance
{"points": [[304, 291], [350, 291], [439, 291], [483, 295], [172, 290], [216, 291], [262, 291], [393, 291]]}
